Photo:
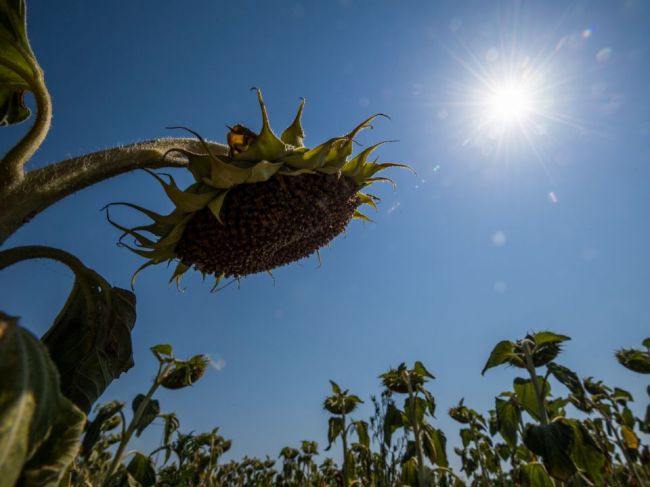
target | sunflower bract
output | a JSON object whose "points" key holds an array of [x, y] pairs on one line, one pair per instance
{"points": [[270, 202]]}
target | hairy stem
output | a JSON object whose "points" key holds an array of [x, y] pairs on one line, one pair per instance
{"points": [[12, 165], [43, 187]]}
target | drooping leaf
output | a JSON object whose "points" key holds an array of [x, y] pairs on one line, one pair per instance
{"points": [[335, 428], [95, 427], [40, 429], [508, 417], [17, 63], [392, 421], [434, 442], [361, 427], [142, 470], [90, 339], [151, 411], [553, 442], [567, 377]]}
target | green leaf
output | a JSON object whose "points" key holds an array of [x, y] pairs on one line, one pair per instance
{"points": [[508, 417], [163, 349], [90, 339], [18, 68], [420, 369], [40, 429], [334, 429], [553, 442], [646, 342], [361, 427], [544, 337], [534, 475], [151, 411], [417, 407], [501, 354], [586, 453], [294, 134], [142, 469], [392, 421], [525, 394], [335, 387]]}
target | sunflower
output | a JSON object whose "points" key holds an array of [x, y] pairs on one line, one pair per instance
{"points": [[268, 202]]}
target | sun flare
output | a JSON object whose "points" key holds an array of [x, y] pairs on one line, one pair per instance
{"points": [[510, 102]]}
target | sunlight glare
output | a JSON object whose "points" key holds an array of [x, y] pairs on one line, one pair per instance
{"points": [[510, 102]]}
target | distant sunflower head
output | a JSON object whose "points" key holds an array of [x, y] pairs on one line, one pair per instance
{"points": [[268, 202]]}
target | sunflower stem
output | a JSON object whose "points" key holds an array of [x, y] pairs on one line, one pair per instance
{"points": [[43, 187]]}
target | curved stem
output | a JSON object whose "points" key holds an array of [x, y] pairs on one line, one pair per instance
{"points": [[126, 437], [43, 187], [12, 164]]}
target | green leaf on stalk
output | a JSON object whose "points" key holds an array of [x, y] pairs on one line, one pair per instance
{"points": [[527, 397], [502, 353], [334, 430], [151, 411], [40, 429]]}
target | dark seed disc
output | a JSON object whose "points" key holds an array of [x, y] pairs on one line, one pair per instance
{"points": [[269, 224]]}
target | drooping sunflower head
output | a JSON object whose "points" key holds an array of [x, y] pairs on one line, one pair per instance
{"points": [[268, 202]]}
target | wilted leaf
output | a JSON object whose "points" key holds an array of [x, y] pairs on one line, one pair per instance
{"points": [[392, 421], [40, 430], [434, 442], [90, 340], [508, 417], [629, 437], [151, 410], [94, 428], [142, 470], [567, 377], [553, 442]]}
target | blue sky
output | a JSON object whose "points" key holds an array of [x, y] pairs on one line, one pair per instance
{"points": [[502, 231]]}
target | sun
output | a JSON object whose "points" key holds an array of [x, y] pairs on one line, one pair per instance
{"points": [[510, 102]]}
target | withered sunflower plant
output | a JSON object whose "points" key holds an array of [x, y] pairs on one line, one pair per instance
{"points": [[268, 202]]}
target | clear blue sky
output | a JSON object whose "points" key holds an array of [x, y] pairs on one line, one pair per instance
{"points": [[544, 227]]}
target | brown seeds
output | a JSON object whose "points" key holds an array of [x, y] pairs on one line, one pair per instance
{"points": [[270, 224]]}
